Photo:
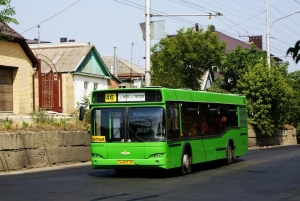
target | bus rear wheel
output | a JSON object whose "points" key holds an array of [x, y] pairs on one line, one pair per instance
{"points": [[229, 155]]}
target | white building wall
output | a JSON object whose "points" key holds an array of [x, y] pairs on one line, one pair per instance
{"points": [[79, 86]]}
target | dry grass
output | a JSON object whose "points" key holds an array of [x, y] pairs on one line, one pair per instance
{"points": [[42, 121]]}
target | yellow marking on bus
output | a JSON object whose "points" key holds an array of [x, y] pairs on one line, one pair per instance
{"points": [[125, 162], [111, 97], [98, 139]]}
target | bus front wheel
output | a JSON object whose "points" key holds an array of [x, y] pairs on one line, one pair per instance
{"points": [[186, 163]]}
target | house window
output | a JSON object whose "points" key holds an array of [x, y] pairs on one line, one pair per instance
{"points": [[95, 86], [86, 84]]}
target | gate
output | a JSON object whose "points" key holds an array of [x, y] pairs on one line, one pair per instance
{"points": [[50, 85]]}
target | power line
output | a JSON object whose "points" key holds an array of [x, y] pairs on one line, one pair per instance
{"points": [[52, 16]]}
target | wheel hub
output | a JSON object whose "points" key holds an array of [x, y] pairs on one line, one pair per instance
{"points": [[186, 161]]}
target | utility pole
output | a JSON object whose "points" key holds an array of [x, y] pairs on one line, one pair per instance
{"points": [[147, 39], [269, 29], [268, 34], [131, 66], [115, 62], [147, 34], [39, 36]]}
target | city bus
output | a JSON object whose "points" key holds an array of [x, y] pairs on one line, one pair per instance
{"points": [[161, 128]]}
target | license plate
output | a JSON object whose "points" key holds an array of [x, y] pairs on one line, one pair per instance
{"points": [[126, 162]]}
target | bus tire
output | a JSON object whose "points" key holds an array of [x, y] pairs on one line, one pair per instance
{"points": [[229, 155], [186, 161]]}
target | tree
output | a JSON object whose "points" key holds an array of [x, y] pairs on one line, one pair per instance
{"points": [[216, 86], [235, 64], [6, 17], [294, 51], [294, 81], [268, 96], [181, 61]]}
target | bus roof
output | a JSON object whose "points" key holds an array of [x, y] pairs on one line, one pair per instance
{"points": [[164, 94]]}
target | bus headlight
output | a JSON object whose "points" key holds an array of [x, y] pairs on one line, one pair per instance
{"points": [[157, 155], [97, 156]]}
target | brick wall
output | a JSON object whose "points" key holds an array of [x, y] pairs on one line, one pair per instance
{"points": [[12, 55], [112, 84], [68, 93], [280, 137]]}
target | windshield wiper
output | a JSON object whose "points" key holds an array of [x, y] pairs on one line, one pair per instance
{"points": [[135, 134]]}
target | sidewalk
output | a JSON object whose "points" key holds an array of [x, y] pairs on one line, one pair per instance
{"points": [[53, 167]]}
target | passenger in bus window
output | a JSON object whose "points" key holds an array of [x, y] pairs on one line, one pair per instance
{"points": [[204, 126], [193, 131], [223, 123], [214, 126]]}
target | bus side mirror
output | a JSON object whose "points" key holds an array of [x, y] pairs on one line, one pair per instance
{"points": [[81, 113]]}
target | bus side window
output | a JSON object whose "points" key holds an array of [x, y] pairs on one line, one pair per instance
{"points": [[204, 124], [223, 118], [214, 120], [233, 120], [172, 121]]}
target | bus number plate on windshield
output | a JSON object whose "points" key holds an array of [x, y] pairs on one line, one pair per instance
{"points": [[111, 97], [126, 162]]}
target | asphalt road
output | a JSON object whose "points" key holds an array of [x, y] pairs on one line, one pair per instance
{"points": [[262, 174]]}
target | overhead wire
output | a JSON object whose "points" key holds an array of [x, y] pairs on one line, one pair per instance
{"points": [[52, 16], [154, 11]]}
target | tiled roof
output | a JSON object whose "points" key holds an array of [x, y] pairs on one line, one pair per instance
{"points": [[10, 32], [66, 58], [232, 43], [125, 68]]}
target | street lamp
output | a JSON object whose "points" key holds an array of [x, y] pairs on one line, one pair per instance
{"points": [[268, 35]]}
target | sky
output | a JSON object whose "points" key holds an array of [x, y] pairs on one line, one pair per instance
{"points": [[116, 23]]}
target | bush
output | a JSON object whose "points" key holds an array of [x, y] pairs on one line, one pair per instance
{"points": [[298, 133], [6, 124]]}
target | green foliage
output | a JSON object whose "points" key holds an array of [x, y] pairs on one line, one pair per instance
{"points": [[6, 15], [6, 124], [181, 61], [40, 117], [294, 51], [24, 125], [87, 113], [268, 96], [294, 81], [235, 64], [87, 128], [60, 122], [216, 86], [298, 133]]}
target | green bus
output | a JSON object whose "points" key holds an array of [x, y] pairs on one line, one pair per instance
{"points": [[161, 128]]}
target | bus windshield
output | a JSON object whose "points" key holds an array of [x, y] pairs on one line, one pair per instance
{"points": [[136, 124]]}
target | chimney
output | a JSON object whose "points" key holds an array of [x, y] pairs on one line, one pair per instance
{"points": [[71, 40], [197, 27], [257, 40], [63, 40]]}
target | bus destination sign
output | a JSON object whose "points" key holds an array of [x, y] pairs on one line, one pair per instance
{"points": [[131, 97]]}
